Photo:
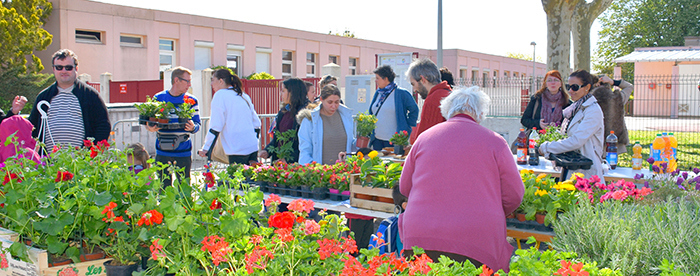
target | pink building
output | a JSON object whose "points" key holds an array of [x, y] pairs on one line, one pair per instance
{"points": [[666, 79], [138, 44]]}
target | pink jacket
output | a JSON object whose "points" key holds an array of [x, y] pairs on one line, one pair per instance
{"points": [[23, 131], [461, 181]]}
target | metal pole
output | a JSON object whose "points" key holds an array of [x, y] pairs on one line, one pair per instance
{"points": [[534, 79], [439, 42]]}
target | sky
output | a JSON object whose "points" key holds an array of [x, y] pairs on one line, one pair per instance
{"points": [[486, 26]]}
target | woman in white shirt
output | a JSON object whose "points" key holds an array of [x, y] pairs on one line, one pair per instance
{"points": [[233, 118]]}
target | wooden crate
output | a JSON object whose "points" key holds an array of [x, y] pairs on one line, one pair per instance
{"points": [[375, 193], [9, 235], [89, 268], [38, 258]]}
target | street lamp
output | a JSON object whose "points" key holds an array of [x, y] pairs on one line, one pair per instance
{"points": [[533, 66]]}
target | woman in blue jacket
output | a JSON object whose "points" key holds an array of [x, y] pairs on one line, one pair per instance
{"points": [[326, 130], [395, 108]]}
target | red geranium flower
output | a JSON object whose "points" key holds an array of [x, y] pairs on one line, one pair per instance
{"points": [[282, 220], [150, 218], [63, 176], [215, 204]]}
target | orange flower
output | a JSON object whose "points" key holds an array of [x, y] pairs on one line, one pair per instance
{"points": [[150, 218]]}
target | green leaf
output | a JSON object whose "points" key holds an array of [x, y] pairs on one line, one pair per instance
{"points": [[103, 198], [136, 208], [174, 222], [55, 246], [235, 225], [74, 254]]}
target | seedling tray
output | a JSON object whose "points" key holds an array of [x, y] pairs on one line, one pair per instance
{"points": [[571, 160]]}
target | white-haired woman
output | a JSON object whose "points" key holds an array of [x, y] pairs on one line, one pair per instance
{"points": [[467, 169]]}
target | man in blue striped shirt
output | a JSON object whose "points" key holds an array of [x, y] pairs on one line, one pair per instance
{"points": [[174, 145]]}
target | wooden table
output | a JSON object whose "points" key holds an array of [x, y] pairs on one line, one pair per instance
{"points": [[618, 173]]}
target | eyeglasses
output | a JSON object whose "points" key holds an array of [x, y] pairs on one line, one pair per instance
{"points": [[187, 81], [574, 87], [60, 67]]}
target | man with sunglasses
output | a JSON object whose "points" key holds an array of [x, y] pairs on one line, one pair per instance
{"points": [[76, 110], [174, 145]]}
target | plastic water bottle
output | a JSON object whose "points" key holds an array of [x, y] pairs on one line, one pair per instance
{"points": [[637, 156], [521, 144], [611, 150], [532, 147]]}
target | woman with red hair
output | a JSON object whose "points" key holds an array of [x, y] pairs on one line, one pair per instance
{"points": [[545, 107]]}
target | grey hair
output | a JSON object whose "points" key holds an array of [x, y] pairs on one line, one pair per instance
{"points": [[467, 100], [426, 68]]}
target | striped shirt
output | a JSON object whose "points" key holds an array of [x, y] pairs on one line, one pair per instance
{"points": [[65, 120]]}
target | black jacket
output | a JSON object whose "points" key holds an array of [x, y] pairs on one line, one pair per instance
{"points": [[4, 116], [531, 116], [95, 118]]}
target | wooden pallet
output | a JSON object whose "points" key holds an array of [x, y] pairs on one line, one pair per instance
{"points": [[375, 193]]}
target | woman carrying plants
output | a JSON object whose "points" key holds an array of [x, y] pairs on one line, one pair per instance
{"points": [[293, 94], [395, 108], [457, 202], [234, 118], [546, 105], [583, 125], [326, 130]]}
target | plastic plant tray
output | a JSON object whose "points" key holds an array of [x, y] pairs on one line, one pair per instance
{"points": [[571, 160]]}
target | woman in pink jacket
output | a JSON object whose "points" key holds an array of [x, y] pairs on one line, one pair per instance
{"points": [[461, 181]]}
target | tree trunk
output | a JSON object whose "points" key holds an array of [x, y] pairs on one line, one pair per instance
{"points": [[559, 15], [583, 18]]}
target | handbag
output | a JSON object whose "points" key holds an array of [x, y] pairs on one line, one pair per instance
{"points": [[216, 152]]}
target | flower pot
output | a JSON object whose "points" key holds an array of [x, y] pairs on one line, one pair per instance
{"points": [[511, 215], [385, 199], [320, 193], [60, 262], [363, 196], [305, 191], [263, 186], [92, 256], [333, 191], [143, 119], [539, 218], [152, 121], [520, 217], [399, 150], [362, 142], [119, 270], [183, 120], [295, 191], [282, 189]]}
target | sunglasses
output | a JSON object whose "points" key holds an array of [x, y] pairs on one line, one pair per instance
{"points": [[187, 81], [60, 67], [574, 87]]}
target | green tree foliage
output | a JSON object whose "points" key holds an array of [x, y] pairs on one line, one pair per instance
{"points": [[630, 24], [21, 34], [522, 56]]}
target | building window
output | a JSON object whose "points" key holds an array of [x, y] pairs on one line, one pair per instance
{"points": [[515, 75], [333, 59], [475, 76], [233, 61], [131, 40], [462, 73], [495, 77], [506, 74], [485, 81], [287, 64], [310, 65], [93, 37], [262, 60], [167, 54], [352, 66], [202, 54]]}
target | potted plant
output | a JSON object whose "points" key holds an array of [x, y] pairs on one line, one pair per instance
{"points": [[163, 114], [365, 126], [285, 141], [399, 140], [147, 110], [185, 111]]}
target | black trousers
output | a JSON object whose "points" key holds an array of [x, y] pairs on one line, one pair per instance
{"points": [[178, 162], [243, 159], [363, 230]]}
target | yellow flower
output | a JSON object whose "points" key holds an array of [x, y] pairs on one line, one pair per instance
{"points": [[372, 154], [541, 192], [574, 175], [566, 185], [525, 172], [540, 176]]}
